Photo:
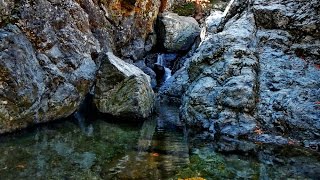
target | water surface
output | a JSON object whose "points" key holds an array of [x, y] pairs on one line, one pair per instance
{"points": [[155, 149]]}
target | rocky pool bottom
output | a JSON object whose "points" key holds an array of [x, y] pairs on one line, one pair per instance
{"points": [[158, 148]]}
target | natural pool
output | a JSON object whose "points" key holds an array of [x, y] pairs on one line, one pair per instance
{"points": [[155, 149]]}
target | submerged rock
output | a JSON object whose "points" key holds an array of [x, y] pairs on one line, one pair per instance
{"points": [[122, 89], [177, 33]]}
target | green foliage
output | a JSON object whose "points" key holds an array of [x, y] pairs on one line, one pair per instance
{"points": [[187, 9]]}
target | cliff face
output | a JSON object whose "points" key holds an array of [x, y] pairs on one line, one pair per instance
{"points": [[255, 75], [49, 52]]}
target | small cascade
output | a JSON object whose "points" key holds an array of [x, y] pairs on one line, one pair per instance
{"points": [[162, 62], [167, 74]]}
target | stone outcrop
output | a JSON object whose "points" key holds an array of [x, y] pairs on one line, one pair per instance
{"points": [[122, 89], [47, 63], [133, 21], [255, 75], [289, 46], [49, 52], [223, 76], [177, 33]]}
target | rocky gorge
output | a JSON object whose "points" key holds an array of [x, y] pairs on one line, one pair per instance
{"points": [[240, 79]]}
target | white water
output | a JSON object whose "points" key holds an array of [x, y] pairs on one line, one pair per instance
{"points": [[162, 62]]}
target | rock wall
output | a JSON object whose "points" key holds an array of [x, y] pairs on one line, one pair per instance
{"points": [[49, 52], [255, 75]]}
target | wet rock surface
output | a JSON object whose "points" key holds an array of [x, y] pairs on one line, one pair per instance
{"points": [[254, 77], [122, 89]]}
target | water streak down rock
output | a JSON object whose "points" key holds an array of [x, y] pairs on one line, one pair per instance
{"points": [[122, 89]]}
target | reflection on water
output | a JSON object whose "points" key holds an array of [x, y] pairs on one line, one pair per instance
{"points": [[162, 150], [155, 149], [102, 149]]}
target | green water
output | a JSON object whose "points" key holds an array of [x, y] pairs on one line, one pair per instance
{"points": [[156, 149]]}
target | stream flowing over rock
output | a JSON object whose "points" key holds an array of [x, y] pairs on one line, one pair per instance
{"points": [[49, 52], [122, 89], [255, 75]]}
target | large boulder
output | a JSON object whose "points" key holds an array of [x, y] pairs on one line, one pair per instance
{"points": [[122, 89], [289, 47], [47, 62], [177, 33]]}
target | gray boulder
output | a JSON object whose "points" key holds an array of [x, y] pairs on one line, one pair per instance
{"points": [[122, 89], [47, 62], [177, 33], [46, 69]]}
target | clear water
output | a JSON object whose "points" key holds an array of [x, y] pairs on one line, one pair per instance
{"points": [[156, 149]]}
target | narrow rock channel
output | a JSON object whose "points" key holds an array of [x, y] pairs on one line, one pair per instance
{"points": [[159, 89]]}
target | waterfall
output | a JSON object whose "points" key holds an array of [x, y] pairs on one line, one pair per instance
{"points": [[162, 62], [167, 74]]}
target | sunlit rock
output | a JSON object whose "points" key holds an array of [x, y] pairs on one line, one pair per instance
{"points": [[177, 33]]}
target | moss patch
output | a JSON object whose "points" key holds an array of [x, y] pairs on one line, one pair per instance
{"points": [[187, 9]]}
